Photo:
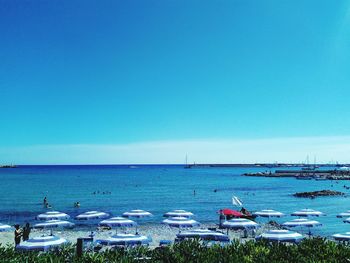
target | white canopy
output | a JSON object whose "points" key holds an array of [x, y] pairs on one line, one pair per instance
{"points": [[137, 213], [92, 215], [41, 243], [240, 223], [125, 240], [281, 236], [268, 213], [180, 222], [178, 213], [307, 212], [53, 215], [118, 222]]}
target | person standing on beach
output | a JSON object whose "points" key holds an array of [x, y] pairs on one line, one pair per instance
{"points": [[18, 235], [26, 232]]}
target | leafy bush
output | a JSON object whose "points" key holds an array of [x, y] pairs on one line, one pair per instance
{"points": [[310, 250]]}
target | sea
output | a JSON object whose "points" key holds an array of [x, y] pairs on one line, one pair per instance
{"points": [[162, 188]]}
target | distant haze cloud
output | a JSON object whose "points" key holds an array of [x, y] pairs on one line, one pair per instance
{"points": [[325, 149]]}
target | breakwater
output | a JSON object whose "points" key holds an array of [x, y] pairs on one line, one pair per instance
{"points": [[305, 174]]}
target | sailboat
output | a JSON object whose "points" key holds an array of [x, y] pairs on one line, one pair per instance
{"points": [[187, 166]]}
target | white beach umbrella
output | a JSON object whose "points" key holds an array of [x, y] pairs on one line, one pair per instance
{"points": [[118, 222], [91, 215], [52, 224], [178, 213], [125, 240], [240, 223], [342, 237], [307, 212], [268, 213], [4, 227], [180, 222], [137, 213], [41, 243], [53, 215], [204, 234], [281, 236], [302, 222]]}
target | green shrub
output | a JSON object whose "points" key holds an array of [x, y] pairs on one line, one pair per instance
{"points": [[310, 250]]}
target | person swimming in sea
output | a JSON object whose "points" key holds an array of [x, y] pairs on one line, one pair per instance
{"points": [[76, 204], [45, 201]]}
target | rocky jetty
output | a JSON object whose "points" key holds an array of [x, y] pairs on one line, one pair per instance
{"points": [[318, 193]]}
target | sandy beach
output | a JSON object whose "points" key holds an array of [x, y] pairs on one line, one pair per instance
{"points": [[156, 231]]}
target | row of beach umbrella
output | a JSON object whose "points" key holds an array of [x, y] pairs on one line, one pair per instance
{"points": [[176, 218], [91, 215], [55, 219]]}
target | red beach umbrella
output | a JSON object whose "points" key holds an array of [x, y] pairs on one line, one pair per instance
{"points": [[230, 212]]}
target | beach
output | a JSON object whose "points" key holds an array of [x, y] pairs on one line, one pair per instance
{"points": [[157, 232], [158, 189]]}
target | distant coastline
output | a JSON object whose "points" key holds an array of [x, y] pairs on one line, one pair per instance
{"points": [[265, 165], [8, 166], [199, 165]]}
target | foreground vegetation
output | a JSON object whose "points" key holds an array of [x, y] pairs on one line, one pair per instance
{"points": [[311, 250]]}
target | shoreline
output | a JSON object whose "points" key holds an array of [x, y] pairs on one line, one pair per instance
{"points": [[156, 231]]}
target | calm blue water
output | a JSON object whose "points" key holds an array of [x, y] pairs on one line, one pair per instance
{"points": [[159, 189]]}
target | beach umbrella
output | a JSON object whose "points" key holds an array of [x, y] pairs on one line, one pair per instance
{"points": [[41, 243], [137, 213], [53, 215], [302, 222], [118, 222], [204, 234], [268, 213], [345, 214], [91, 215], [4, 227], [230, 212], [178, 213], [342, 237], [239, 224], [125, 240], [281, 236], [180, 222], [307, 212], [52, 224]]}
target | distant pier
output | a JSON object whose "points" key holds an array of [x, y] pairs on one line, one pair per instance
{"points": [[305, 174], [8, 166]]}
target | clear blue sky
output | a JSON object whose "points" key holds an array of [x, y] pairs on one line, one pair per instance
{"points": [[119, 72]]}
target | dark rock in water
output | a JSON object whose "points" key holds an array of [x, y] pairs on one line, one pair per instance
{"points": [[318, 193]]}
